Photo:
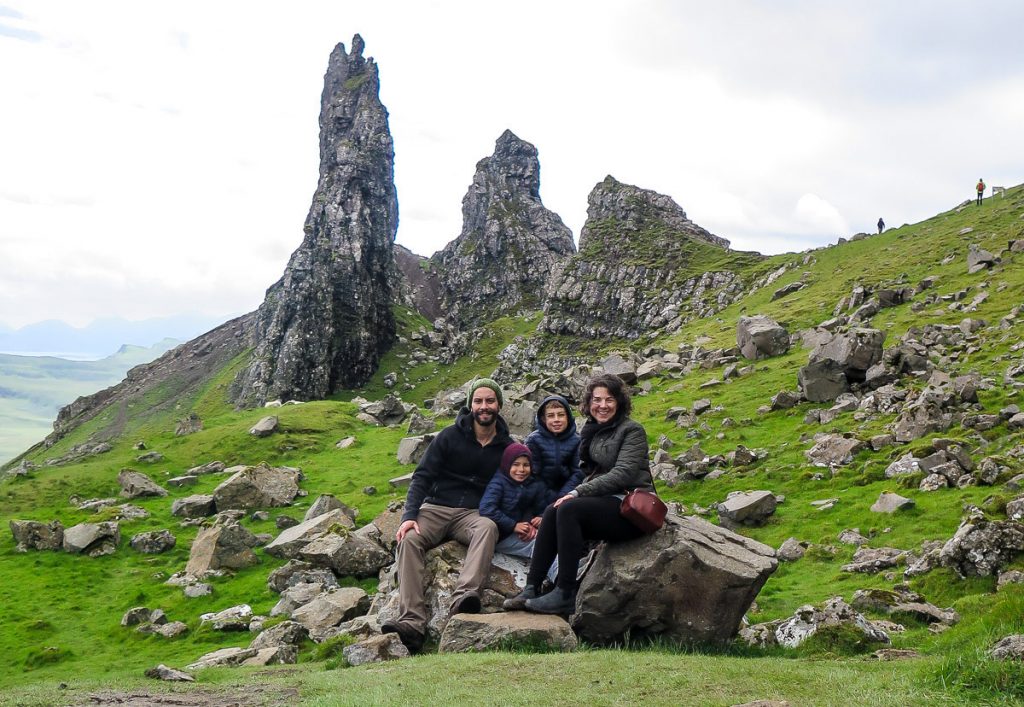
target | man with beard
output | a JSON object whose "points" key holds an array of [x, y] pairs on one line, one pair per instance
{"points": [[442, 504]]}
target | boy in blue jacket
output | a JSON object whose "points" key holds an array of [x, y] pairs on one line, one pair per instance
{"points": [[555, 444], [515, 500]]}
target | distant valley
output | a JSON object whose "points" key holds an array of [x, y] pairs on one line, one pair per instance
{"points": [[34, 388]]}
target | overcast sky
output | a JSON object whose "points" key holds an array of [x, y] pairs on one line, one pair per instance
{"points": [[159, 158]]}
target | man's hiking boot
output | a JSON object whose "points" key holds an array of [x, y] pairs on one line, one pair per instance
{"points": [[518, 602], [557, 601], [469, 604], [410, 637]]}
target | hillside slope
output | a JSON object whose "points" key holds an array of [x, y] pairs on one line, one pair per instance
{"points": [[61, 612]]}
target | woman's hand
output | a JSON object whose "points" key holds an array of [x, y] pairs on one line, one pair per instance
{"points": [[404, 529], [525, 531], [536, 521], [563, 499]]}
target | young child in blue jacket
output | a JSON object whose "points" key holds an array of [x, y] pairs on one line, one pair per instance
{"points": [[555, 444], [515, 500]]}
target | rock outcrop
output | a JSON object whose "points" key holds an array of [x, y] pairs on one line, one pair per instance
{"points": [[691, 581], [509, 242], [642, 265], [325, 324]]}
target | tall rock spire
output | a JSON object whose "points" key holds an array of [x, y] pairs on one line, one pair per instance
{"points": [[509, 241], [324, 325]]}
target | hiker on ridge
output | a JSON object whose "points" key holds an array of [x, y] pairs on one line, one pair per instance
{"points": [[881, 224], [981, 190], [442, 503]]}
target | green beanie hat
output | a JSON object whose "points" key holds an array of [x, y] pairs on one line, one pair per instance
{"points": [[486, 383]]}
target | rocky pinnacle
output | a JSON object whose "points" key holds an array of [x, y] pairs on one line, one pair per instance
{"points": [[509, 241], [324, 325]]}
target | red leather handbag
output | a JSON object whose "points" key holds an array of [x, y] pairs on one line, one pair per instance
{"points": [[644, 510]]}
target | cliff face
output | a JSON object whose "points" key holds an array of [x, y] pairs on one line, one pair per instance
{"points": [[642, 266], [509, 242], [326, 322]]}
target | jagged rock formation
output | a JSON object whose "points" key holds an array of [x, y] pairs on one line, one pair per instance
{"points": [[326, 322], [419, 287], [509, 242], [642, 265]]}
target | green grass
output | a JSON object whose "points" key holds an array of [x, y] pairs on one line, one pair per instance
{"points": [[60, 614]]}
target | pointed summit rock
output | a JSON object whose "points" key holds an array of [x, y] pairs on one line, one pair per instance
{"points": [[642, 266], [326, 322], [509, 241]]}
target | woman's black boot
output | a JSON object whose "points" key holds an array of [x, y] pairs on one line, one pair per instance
{"points": [[557, 601], [518, 602]]}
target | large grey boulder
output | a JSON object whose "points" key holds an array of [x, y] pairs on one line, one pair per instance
{"points": [[260, 486], [291, 540], [34, 535], [226, 546], [691, 581], [981, 547], [135, 484], [752, 508], [348, 554], [849, 353], [92, 539], [761, 337], [330, 608], [822, 381], [507, 631]]}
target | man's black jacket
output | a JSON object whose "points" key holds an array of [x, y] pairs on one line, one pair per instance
{"points": [[455, 469]]}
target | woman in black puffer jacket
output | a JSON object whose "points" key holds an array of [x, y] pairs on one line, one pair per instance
{"points": [[613, 451]]}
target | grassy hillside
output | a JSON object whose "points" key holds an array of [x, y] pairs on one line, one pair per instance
{"points": [[61, 613], [34, 388]]}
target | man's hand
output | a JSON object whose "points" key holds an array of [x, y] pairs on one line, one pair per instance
{"points": [[404, 529], [563, 499]]}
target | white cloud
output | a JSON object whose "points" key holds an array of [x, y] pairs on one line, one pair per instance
{"points": [[169, 168]]}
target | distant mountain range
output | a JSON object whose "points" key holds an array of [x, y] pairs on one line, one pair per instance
{"points": [[102, 337]]}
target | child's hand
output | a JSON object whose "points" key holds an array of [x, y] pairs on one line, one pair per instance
{"points": [[524, 530], [536, 521]]}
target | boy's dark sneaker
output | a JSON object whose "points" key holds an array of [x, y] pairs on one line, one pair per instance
{"points": [[410, 637], [518, 602], [557, 601], [469, 604]]}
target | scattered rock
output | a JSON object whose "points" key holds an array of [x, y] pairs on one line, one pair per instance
{"points": [[761, 337], [375, 649], [260, 486], [162, 672], [227, 546], [92, 539], [34, 535], [153, 542], [891, 502], [137, 485], [476, 632], [752, 508], [265, 427]]}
